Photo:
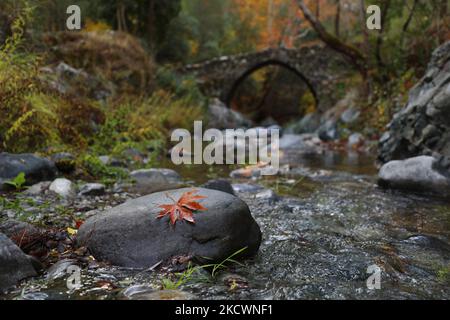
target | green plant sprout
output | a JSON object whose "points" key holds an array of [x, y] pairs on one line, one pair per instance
{"points": [[18, 182], [186, 276]]}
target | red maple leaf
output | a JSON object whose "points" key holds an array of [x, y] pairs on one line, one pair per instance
{"points": [[183, 208]]}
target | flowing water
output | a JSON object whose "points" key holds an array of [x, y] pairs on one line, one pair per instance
{"points": [[329, 225]]}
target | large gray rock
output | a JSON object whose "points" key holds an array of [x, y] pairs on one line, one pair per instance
{"points": [[422, 127], [147, 181], [220, 117], [130, 235], [14, 264], [422, 174], [36, 169]]}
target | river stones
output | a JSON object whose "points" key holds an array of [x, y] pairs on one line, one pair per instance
{"points": [[308, 124], [355, 141], [36, 169], [92, 189], [63, 187], [130, 235], [220, 185], [421, 174], [14, 264], [329, 131]]}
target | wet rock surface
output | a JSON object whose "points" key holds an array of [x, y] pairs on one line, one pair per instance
{"points": [[149, 293]]}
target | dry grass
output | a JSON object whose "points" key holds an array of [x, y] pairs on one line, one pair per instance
{"points": [[115, 56]]}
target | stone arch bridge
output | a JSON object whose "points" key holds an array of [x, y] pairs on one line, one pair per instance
{"points": [[318, 66]]}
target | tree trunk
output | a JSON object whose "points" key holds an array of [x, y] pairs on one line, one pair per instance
{"points": [[444, 8], [337, 19], [121, 17], [151, 28], [124, 18], [318, 9], [362, 18]]}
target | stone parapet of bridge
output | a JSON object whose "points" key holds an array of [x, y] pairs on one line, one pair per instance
{"points": [[318, 66]]}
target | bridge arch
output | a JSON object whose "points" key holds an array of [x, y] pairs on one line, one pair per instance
{"points": [[230, 92]]}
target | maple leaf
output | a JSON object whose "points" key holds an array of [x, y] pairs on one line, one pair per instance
{"points": [[183, 209]]}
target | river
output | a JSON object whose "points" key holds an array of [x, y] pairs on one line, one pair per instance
{"points": [[328, 225]]}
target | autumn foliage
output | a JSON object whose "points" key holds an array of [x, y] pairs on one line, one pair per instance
{"points": [[182, 209], [279, 22]]}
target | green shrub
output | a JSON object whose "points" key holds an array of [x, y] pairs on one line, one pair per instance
{"points": [[35, 117], [96, 169], [132, 121]]}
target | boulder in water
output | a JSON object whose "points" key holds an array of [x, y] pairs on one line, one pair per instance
{"points": [[420, 174], [130, 235]]}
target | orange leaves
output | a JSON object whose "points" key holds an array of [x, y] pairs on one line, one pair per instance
{"points": [[280, 22], [274, 20], [182, 209]]}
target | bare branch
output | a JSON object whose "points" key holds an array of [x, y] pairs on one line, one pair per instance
{"points": [[410, 16], [355, 56]]}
